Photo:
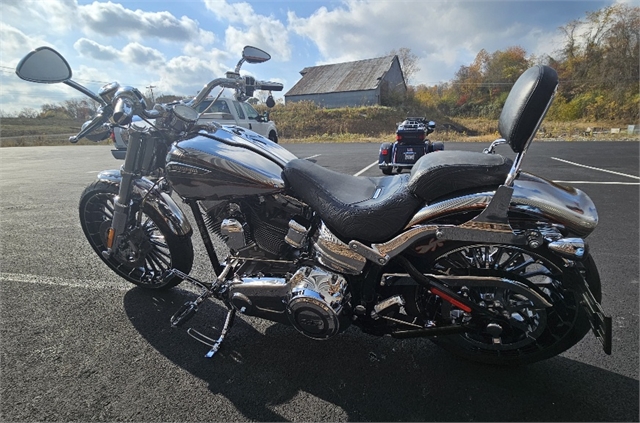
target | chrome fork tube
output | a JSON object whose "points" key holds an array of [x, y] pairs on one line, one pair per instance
{"points": [[122, 202]]}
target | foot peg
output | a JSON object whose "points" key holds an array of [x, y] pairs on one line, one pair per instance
{"points": [[184, 314], [190, 308], [214, 344]]}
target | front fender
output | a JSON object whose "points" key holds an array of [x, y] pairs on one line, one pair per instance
{"points": [[160, 201], [533, 196]]}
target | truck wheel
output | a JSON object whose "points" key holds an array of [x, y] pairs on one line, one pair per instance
{"points": [[273, 136]]}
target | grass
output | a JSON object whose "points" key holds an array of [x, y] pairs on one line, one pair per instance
{"points": [[311, 124]]}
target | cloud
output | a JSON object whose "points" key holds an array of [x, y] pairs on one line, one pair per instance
{"points": [[140, 55], [133, 53], [249, 28], [14, 40], [445, 35], [187, 74], [113, 20], [89, 48]]}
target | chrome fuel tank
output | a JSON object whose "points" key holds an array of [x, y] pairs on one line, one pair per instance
{"points": [[226, 162]]}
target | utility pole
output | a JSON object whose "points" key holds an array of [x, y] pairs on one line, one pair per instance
{"points": [[151, 87]]}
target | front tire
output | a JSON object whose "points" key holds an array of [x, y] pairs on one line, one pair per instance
{"points": [[151, 247], [537, 334]]}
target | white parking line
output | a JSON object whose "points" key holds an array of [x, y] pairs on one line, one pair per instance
{"points": [[312, 157], [118, 284], [67, 282], [365, 169], [595, 168], [597, 183]]}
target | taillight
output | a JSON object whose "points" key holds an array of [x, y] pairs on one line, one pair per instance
{"points": [[112, 135], [398, 137], [384, 152]]}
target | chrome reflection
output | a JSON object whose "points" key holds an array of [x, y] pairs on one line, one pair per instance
{"points": [[569, 248], [532, 195], [334, 254]]}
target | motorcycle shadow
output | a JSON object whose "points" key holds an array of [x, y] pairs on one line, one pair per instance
{"points": [[269, 371]]}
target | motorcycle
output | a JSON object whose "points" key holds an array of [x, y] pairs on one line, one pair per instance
{"points": [[486, 260], [411, 144]]}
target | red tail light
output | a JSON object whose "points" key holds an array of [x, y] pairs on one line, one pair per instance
{"points": [[384, 152], [398, 137]]}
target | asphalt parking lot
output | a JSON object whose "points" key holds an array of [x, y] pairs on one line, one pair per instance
{"points": [[79, 344]]}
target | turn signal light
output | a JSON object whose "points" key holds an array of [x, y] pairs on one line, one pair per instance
{"points": [[110, 234]]}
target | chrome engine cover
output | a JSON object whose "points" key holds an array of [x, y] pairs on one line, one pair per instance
{"points": [[317, 302]]}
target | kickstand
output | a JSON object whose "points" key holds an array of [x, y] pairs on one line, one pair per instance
{"points": [[214, 344]]}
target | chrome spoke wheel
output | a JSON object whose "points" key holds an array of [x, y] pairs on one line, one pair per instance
{"points": [[147, 250], [526, 330]]}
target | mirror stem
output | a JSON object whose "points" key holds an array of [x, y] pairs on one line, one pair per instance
{"points": [[85, 91]]}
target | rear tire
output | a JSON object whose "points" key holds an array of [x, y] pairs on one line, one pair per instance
{"points": [[152, 248], [554, 329], [273, 136]]}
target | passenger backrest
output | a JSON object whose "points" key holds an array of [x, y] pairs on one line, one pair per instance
{"points": [[526, 105]]}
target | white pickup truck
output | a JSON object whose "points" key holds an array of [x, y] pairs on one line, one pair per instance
{"points": [[225, 111], [228, 111]]}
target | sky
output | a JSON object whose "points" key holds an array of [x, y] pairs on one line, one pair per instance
{"points": [[178, 46]]}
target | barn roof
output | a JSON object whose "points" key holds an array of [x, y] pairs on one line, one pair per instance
{"points": [[360, 75]]}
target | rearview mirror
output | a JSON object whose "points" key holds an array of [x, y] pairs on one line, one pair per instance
{"points": [[44, 65], [255, 55]]}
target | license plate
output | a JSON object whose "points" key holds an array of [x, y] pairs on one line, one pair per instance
{"points": [[410, 156]]}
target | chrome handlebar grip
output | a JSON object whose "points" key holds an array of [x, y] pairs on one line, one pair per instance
{"points": [[122, 111]]}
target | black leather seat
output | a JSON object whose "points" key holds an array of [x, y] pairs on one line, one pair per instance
{"points": [[375, 209], [368, 209], [441, 173]]}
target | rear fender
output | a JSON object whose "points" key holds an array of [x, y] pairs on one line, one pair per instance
{"points": [[533, 196], [155, 198]]}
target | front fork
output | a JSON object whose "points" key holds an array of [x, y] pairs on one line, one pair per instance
{"points": [[133, 163]]}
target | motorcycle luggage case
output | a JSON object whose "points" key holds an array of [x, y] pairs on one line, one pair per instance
{"points": [[411, 131], [409, 154]]}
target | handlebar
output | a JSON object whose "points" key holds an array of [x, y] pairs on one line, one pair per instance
{"points": [[104, 113], [128, 102], [268, 86]]}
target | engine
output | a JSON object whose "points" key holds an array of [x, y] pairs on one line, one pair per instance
{"points": [[313, 300], [316, 303]]}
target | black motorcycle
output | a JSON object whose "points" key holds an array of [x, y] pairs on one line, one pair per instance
{"points": [[410, 145], [488, 261]]}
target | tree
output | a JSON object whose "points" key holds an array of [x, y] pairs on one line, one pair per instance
{"points": [[80, 109], [598, 64], [408, 62]]}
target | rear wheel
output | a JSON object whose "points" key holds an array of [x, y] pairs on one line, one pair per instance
{"points": [[149, 249], [534, 332], [273, 136]]}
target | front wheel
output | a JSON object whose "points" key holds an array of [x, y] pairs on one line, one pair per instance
{"points": [[535, 333], [149, 248]]}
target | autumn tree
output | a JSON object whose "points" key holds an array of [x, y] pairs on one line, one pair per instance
{"points": [[599, 65]]}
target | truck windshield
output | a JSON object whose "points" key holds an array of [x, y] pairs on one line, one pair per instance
{"points": [[250, 111], [220, 106]]}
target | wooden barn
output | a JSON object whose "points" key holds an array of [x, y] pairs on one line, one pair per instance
{"points": [[360, 83]]}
